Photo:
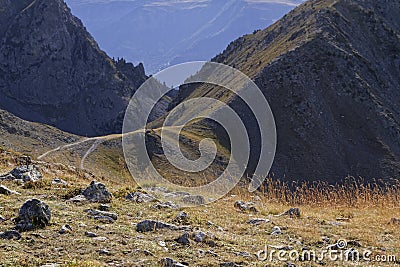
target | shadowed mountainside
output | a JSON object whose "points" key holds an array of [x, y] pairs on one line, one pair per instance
{"points": [[331, 73], [52, 71]]}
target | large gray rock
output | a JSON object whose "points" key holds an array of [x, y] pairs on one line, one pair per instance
{"points": [[97, 192], [25, 173], [32, 215]]}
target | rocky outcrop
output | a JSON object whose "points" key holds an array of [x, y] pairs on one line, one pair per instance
{"points": [[52, 71]]}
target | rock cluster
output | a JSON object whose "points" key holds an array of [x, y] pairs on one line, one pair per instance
{"points": [[25, 173]]}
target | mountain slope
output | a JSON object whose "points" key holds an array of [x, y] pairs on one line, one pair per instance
{"points": [[52, 71], [331, 73]]}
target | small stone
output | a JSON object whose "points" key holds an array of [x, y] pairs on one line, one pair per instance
{"points": [[182, 217], [244, 254], [150, 225], [200, 237], [168, 262], [354, 243], [165, 205], [11, 234], [293, 212], [79, 199], [193, 200], [276, 230], [256, 198], [104, 207], [5, 191], [97, 192], [90, 234], [59, 181], [65, 229], [140, 197], [229, 264], [100, 238], [104, 252], [183, 239], [245, 206], [258, 221], [103, 216], [33, 214]]}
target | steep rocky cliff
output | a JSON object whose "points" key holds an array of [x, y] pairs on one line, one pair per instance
{"points": [[331, 73], [52, 71]]}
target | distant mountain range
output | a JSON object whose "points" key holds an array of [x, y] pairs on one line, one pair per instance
{"points": [[160, 33]]}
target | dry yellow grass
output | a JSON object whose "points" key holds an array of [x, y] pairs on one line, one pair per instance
{"points": [[354, 213]]}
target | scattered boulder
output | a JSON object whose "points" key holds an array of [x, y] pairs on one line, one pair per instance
{"points": [[97, 192], [276, 230], [65, 229], [258, 221], [59, 181], [25, 173], [244, 254], [32, 215], [100, 238], [165, 205], [90, 234], [182, 217], [79, 200], [183, 239], [193, 200], [104, 207], [103, 216], [168, 262], [150, 225], [293, 212], [5, 191], [140, 197], [11, 234], [200, 237], [104, 252], [245, 206]]}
